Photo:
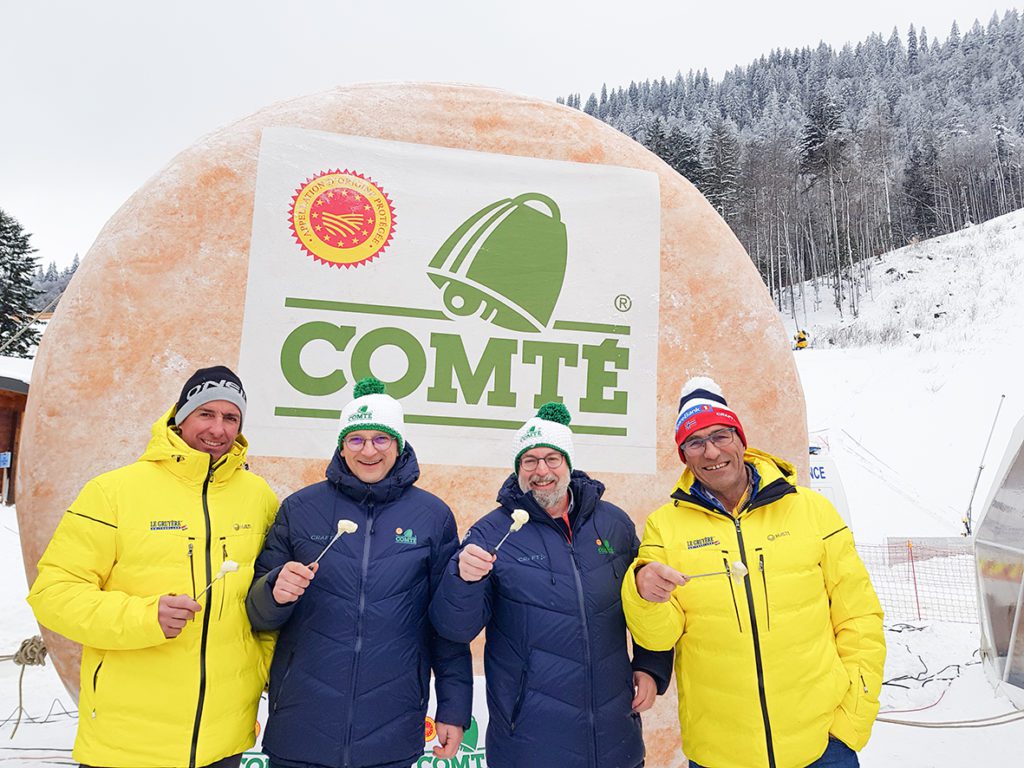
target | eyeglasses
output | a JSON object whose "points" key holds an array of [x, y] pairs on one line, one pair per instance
{"points": [[696, 446], [530, 463], [355, 443]]}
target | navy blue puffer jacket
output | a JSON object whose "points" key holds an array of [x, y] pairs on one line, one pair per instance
{"points": [[350, 678], [559, 678]]}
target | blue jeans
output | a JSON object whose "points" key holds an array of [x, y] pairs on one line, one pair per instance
{"points": [[836, 755]]}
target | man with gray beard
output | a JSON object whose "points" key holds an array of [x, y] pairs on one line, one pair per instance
{"points": [[561, 689]]}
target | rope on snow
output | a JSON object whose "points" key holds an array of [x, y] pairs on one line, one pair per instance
{"points": [[32, 653]]}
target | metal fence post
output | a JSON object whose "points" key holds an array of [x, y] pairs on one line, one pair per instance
{"points": [[913, 576]]}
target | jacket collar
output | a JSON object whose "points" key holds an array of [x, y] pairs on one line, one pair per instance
{"points": [[402, 476], [775, 477], [168, 450], [586, 492]]}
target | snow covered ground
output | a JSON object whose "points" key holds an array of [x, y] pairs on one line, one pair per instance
{"points": [[904, 416]]}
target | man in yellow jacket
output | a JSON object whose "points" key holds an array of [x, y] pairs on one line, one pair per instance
{"points": [[756, 583], [148, 570]]}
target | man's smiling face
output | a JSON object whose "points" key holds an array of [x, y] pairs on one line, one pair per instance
{"points": [[720, 469], [370, 464], [212, 428], [548, 484]]}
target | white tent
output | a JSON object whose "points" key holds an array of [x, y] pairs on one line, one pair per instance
{"points": [[999, 559]]}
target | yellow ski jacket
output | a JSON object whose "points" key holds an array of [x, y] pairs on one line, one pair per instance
{"points": [[162, 525], [767, 666]]}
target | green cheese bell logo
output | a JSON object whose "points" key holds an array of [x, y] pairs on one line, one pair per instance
{"points": [[505, 264]]}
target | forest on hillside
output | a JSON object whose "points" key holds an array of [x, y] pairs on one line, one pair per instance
{"points": [[821, 159]]}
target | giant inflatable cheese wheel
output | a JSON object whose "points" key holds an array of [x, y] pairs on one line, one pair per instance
{"points": [[164, 290]]}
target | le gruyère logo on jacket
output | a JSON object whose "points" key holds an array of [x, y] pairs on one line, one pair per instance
{"points": [[167, 525], [707, 541], [342, 218]]}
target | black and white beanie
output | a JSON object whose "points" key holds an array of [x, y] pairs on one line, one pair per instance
{"points": [[206, 385]]}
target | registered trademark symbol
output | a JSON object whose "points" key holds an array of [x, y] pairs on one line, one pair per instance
{"points": [[623, 303]]}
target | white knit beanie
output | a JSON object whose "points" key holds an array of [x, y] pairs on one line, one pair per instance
{"points": [[372, 409], [549, 428]]}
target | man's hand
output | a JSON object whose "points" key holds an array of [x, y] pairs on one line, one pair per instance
{"points": [[449, 736], [645, 691], [475, 563], [292, 581], [174, 612], [655, 582]]}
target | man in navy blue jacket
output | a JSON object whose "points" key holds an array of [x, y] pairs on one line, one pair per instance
{"points": [[350, 679], [561, 691]]}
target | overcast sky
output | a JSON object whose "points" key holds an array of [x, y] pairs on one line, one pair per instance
{"points": [[98, 96]]}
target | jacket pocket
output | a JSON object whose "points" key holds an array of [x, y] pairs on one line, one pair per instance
{"points": [[518, 705], [95, 688], [764, 585], [192, 563], [619, 566], [860, 691], [423, 680], [284, 681]]}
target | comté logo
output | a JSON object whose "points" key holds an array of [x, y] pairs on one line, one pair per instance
{"points": [[487, 269], [479, 287], [405, 537], [472, 268], [530, 434], [362, 413], [341, 218]]}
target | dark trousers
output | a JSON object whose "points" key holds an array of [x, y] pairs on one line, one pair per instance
{"points": [[228, 762], [836, 755]]}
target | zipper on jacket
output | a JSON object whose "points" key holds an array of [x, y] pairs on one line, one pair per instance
{"points": [[223, 583], [757, 648], [95, 679], [586, 655], [732, 592], [764, 583], [192, 564], [206, 629], [518, 705], [358, 648], [284, 679]]}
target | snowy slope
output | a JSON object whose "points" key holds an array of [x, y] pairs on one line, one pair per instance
{"points": [[905, 419], [904, 395], [907, 391]]}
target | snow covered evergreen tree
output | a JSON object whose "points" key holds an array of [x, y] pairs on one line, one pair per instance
{"points": [[17, 267]]}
